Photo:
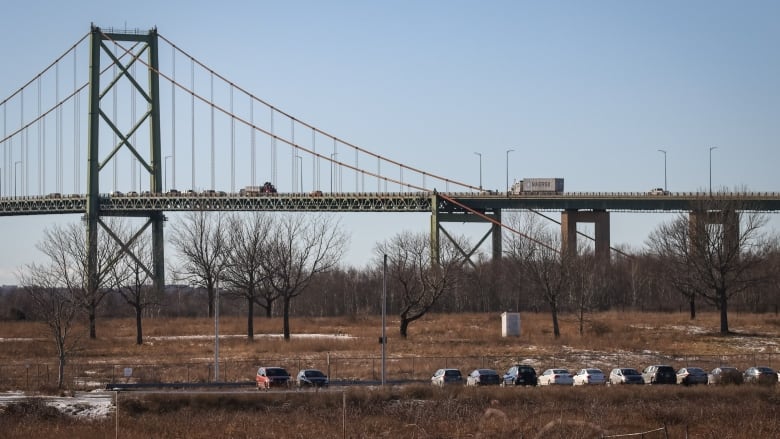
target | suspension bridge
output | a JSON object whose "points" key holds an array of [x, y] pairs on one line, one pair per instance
{"points": [[114, 128]]}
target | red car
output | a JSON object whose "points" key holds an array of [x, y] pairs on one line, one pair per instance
{"points": [[268, 377]]}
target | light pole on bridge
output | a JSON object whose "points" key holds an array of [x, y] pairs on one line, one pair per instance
{"points": [[711, 148], [480, 169], [664, 151], [165, 173], [18, 162], [507, 169]]}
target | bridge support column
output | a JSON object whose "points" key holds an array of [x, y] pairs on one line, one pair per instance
{"points": [[728, 219], [600, 218], [463, 217]]}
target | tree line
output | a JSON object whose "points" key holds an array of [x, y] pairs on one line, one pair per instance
{"points": [[719, 257]]}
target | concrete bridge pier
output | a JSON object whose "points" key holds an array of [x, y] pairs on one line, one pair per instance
{"points": [[728, 219], [569, 220]]}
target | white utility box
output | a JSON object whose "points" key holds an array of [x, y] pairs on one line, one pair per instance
{"points": [[510, 324]]}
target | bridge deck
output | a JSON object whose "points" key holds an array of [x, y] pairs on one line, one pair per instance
{"points": [[381, 202]]}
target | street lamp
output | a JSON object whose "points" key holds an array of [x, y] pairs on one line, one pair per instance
{"points": [[711, 148], [664, 151], [507, 169], [480, 170], [18, 162], [165, 173]]}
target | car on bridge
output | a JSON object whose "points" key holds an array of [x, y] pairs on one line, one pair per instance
{"points": [[657, 191]]}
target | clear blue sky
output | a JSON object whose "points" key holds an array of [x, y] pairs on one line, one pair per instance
{"points": [[587, 91]]}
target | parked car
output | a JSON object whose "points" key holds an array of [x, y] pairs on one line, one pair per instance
{"points": [[556, 376], [444, 377], [520, 375], [659, 374], [311, 378], [725, 375], [268, 377], [688, 376], [483, 377], [625, 375], [760, 375], [589, 376]]}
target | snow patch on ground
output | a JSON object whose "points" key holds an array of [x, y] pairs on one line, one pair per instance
{"points": [[93, 404]]}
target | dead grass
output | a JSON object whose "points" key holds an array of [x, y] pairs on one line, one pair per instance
{"points": [[423, 412], [178, 350]]}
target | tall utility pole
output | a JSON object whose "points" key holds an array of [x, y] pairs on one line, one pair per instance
{"points": [[711, 148], [663, 151], [480, 169], [507, 169]]}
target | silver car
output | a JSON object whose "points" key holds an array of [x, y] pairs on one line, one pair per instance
{"points": [[555, 376], [589, 376], [625, 375], [445, 376]]}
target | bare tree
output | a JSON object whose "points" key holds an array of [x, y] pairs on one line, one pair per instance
{"points": [[55, 305], [413, 273], [298, 248], [134, 283], [717, 250], [200, 240], [247, 238], [537, 252], [66, 247]]}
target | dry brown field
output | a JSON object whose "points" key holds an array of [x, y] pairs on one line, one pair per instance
{"points": [[182, 350]]}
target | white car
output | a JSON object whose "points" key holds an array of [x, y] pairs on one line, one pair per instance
{"points": [[556, 376], [589, 376]]}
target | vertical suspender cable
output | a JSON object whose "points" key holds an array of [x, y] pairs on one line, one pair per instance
{"points": [[378, 173], [76, 129], [294, 160], [5, 179], [40, 142], [57, 131], [315, 163], [192, 118], [211, 101], [273, 149], [23, 142], [114, 161], [356, 170], [337, 168], [232, 144], [173, 119], [252, 136], [132, 121]]}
